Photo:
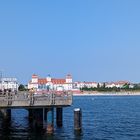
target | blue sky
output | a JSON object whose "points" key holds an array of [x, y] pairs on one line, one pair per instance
{"points": [[94, 40]]}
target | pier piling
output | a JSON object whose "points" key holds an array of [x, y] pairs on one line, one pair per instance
{"points": [[77, 119], [6, 113], [38, 118], [30, 114], [59, 116]]}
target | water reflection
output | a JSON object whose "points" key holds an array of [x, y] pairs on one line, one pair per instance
{"points": [[20, 126]]}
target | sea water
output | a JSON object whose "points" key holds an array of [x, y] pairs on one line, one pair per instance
{"points": [[103, 118]]}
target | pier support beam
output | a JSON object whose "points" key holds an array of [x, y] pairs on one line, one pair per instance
{"points": [[37, 118], [6, 113], [50, 120], [77, 119], [30, 114], [59, 116], [45, 118]]}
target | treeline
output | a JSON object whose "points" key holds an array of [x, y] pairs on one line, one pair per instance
{"points": [[113, 89]]}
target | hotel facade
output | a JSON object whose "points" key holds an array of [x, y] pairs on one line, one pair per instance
{"points": [[50, 83]]}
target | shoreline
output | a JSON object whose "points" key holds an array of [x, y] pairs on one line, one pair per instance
{"points": [[107, 94]]}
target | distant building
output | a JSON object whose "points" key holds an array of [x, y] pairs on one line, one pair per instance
{"points": [[49, 83], [8, 84], [119, 84], [131, 85], [78, 85]]}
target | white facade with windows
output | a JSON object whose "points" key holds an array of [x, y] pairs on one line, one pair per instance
{"points": [[79, 85], [8, 84], [49, 83]]}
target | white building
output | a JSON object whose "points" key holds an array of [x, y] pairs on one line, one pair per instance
{"points": [[119, 84], [8, 84], [49, 83], [79, 85]]}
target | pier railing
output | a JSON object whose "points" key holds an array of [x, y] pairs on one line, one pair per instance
{"points": [[26, 99]]}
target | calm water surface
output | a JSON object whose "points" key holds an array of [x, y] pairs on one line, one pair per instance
{"points": [[104, 118]]}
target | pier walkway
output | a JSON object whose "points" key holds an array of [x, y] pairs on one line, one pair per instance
{"points": [[30, 100]]}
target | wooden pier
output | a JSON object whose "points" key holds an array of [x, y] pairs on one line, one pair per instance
{"points": [[28, 100], [40, 106]]}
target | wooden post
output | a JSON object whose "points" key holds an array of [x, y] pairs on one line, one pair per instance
{"points": [[30, 114], [45, 118], [38, 118], [59, 116], [77, 119], [6, 113]]}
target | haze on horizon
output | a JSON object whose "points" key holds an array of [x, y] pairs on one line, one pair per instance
{"points": [[94, 40]]}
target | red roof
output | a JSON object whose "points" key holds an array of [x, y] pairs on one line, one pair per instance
{"points": [[54, 81], [42, 81], [58, 81]]}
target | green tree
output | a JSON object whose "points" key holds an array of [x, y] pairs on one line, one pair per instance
{"points": [[21, 87], [98, 86], [104, 85]]}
